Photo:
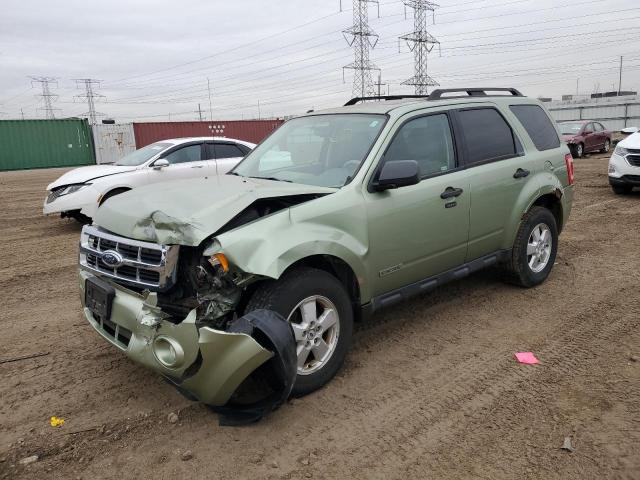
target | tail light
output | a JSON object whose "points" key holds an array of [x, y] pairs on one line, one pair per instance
{"points": [[568, 160]]}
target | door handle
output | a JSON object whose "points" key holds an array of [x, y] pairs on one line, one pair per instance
{"points": [[451, 192], [197, 166], [521, 173]]}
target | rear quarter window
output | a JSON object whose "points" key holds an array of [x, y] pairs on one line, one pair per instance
{"points": [[538, 125]]}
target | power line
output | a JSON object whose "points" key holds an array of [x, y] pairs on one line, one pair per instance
{"points": [[47, 97], [363, 38], [420, 43], [90, 97]]}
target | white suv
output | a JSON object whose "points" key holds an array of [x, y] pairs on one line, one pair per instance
{"points": [[79, 193], [624, 165]]}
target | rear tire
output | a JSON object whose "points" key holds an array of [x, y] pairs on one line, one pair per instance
{"points": [[534, 249], [621, 189], [320, 312]]}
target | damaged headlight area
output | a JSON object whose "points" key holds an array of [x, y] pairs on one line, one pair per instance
{"points": [[65, 190], [196, 336], [208, 283]]}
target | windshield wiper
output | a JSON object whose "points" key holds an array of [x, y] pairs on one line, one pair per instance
{"points": [[273, 179], [234, 173]]}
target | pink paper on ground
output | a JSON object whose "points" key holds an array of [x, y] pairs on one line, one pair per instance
{"points": [[526, 357]]}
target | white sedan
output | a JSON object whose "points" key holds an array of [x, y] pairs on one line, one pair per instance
{"points": [[79, 193]]}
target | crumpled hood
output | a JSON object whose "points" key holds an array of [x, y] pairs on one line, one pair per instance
{"points": [[186, 212], [567, 138], [84, 174]]}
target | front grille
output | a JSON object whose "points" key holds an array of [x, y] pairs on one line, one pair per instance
{"points": [[634, 160], [139, 264], [118, 333]]}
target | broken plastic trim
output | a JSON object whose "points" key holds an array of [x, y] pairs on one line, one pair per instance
{"points": [[275, 378]]}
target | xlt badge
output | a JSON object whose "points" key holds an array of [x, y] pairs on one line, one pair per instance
{"points": [[390, 270]]}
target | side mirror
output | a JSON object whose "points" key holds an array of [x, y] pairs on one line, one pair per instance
{"points": [[160, 164], [587, 132], [396, 174]]}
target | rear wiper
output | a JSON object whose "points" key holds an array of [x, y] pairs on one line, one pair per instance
{"points": [[273, 179]]}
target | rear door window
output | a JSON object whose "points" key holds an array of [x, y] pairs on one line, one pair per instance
{"points": [[537, 124], [487, 134], [226, 150]]}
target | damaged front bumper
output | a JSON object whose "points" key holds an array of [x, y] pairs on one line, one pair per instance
{"points": [[206, 363]]}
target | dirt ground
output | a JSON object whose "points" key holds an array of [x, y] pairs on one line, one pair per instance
{"points": [[430, 389]]}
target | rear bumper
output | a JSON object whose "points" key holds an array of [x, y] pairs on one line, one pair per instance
{"points": [[209, 364]]}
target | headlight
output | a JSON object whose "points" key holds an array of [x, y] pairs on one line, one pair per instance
{"points": [[620, 151], [72, 188]]}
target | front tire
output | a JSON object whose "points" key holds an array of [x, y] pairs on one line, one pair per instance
{"points": [[320, 312], [621, 189], [578, 150], [607, 146], [534, 249]]}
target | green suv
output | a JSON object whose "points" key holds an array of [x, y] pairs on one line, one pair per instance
{"points": [[336, 215]]}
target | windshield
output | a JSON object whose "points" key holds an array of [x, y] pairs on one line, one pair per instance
{"points": [[570, 128], [320, 150], [142, 155]]}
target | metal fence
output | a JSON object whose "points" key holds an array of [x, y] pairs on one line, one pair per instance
{"points": [[615, 113]]}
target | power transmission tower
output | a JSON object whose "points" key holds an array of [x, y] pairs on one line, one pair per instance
{"points": [[379, 84], [420, 43], [363, 38], [47, 97], [89, 96]]}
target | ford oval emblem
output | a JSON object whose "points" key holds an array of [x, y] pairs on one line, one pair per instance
{"points": [[112, 259]]}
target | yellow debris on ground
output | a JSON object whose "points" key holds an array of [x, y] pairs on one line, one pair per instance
{"points": [[56, 422]]}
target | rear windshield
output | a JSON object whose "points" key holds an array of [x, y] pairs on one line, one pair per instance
{"points": [[570, 128]]}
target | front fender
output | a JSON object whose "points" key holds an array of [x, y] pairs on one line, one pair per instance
{"points": [[270, 245]]}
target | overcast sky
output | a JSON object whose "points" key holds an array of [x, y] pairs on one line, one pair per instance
{"points": [[154, 57]]}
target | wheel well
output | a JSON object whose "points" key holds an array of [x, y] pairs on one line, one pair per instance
{"points": [[551, 201], [334, 266], [112, 193]]}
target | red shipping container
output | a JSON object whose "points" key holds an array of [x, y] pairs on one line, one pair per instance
{"points": [[253, 131]]}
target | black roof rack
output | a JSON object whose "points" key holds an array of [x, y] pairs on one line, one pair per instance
{"points": [[355, 100], [437, 94], [471, 92]]}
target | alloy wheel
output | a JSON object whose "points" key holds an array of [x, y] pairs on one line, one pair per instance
{"points": [[316, 326], [539, 247]]}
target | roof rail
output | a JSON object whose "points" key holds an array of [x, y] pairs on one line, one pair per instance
{"points": [[471, 92], [356, 100]]}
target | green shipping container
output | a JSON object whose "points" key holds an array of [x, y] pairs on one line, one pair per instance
{"points": [[26, 144]]}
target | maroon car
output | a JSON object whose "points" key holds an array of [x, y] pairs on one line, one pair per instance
{"points": [[585, 136]]}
